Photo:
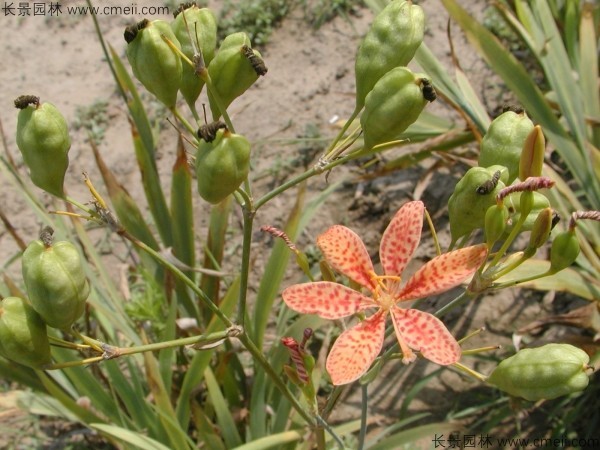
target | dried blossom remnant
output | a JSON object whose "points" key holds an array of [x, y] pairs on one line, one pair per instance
{"points": [[356, 348], [276, 232], [23, 101], [529, 185], [577, 215], [208, 131], [296, 355], [46, 236], [256, 61]]}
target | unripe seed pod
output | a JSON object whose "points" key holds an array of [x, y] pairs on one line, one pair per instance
{"points": [[467, 206], [504, 140], [532, 156], [392, 41], [23, 334], [546, 372], [231, 71], [55, 280], [395, 102], [156, 65], [541, 229], [536, 203], [564, 251], [43, 138], [222, 165], [203, 30], [495, 223]]}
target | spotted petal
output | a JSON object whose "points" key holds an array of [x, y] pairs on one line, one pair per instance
{"points": [[426, 333], [401, 238], [444, 272], [325, 299], [356, 349], [346, 253]]}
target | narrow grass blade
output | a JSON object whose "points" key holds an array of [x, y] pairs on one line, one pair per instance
{"points": [[182, 212], [408, 439], [138, 440], [177, 436], [273, 441], [224, 418], [588, 69], [145, 151], [200, 361], [215, 245]]}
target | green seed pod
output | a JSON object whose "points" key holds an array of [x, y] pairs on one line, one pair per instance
{"points": [[546, 372], [537, 202], [504, 140], [56, 282], [495, 223], [231, 71], [156, 65], [564, 251], [203, 31], [222, 165], [540, 230], [532, 156], [23, 335], [43, 138], [392, 41], [469, 203], [395, 102]]}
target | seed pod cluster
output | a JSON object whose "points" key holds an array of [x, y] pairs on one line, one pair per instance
{"points": [[222, 165], [546, 372], [391, 41], [44, 141]]}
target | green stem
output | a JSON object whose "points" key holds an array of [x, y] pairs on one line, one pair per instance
{"points": [[188, 126], [182, 276], [331, 147], [216, 98], [522, 280], [470, 372], [79, 362], [245, 270], [81, 206], [281, 385], [461, 299], [363, 417], [332, 433], [300, 178], [211, 338], [511, 237]]}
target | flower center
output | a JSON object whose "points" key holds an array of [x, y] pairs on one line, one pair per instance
{"points": [[386, 290]]}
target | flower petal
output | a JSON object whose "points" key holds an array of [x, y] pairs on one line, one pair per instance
{"points": [[346, 253], [426, 333], [401, 238], [325, 299], [444, 272], [356, 349]]}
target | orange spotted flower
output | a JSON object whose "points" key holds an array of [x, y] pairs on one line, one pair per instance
{"points": [[356, 348]]}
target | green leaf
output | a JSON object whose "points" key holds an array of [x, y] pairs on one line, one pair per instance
{"points": [[131, 437], [224, 417], [407, 439], [273, 441]]}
